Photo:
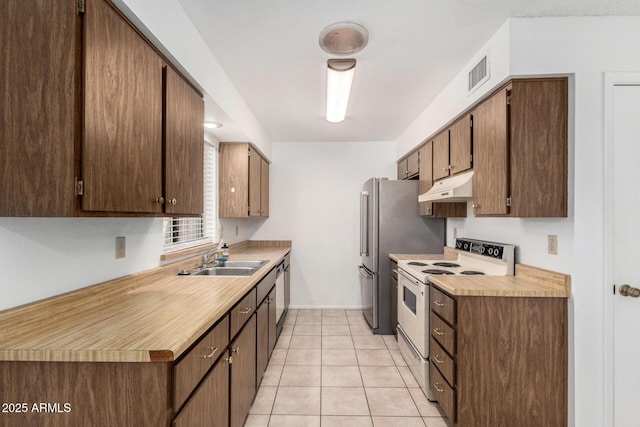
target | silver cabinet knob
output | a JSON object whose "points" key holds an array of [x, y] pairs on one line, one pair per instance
{"points": [[160, 200], [173, 202]]}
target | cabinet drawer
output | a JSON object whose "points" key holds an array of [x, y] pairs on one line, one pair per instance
{"points": [[441, 360], [196, 362], [444, 394], [265, 285], [443, 304], [443, 333], [242, 312]]}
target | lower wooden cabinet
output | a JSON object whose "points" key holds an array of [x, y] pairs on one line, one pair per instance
{"points": [[209, 406], [499, 361], [243, 373]]}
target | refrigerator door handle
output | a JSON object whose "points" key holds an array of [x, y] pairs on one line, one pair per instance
{"points": [[364, 223], [365, 273]]}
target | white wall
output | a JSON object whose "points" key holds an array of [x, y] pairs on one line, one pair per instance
{"points": [[314, 202], [42, 257]]}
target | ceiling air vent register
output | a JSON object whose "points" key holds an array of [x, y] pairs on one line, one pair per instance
{"points": [[479, 74], [343, 38]]}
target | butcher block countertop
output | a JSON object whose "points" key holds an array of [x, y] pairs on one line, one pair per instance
{"points": [[145, 317], [527, 282]]}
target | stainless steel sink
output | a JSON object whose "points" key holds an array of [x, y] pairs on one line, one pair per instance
{"points": [[226, 271], [240, 263], [228, 268]]}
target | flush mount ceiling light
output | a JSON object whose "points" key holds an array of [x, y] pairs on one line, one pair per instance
{"points": [[339, 78], [343, 38], [212, 125]]}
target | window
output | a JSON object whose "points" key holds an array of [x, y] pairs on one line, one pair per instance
{"points": [[185, 232]]}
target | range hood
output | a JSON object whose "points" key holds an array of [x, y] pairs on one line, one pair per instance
{"points": [[458, 188]]}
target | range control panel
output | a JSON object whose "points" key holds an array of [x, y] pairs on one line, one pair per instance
{"points": [[488, 249]]}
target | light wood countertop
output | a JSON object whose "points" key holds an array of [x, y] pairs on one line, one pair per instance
{"points": [[149, 316], [527, 282]]}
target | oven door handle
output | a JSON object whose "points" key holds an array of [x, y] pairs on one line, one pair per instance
{"points": [[411, 279], [364, 272]]}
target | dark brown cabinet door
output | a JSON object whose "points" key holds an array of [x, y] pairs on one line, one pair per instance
{"points": [[39, 100], [460, 145], [441, 155], [538, 147], [122, 132], [209, 406], [262, 340], [264, 188], [184, 145], [413, 164], [243, 373], [255, 176], [491, 155]]}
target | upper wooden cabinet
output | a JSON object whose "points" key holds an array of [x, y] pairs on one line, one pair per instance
{"points": [[452, 149], [122, 138], [409, 167], [39, 98], [243, 181], [520, 149], [437, 210], [184, 148], [85, 115]]}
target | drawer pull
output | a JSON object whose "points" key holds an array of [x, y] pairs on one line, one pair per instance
{"points": [[437, 331], [229, 359], [438, 303], [437, 359], [438, 389], [246, 310], [236, 350], [209, 356]]}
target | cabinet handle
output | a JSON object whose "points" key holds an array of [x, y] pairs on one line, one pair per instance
{"points": [[437, 359], [450, 167], [438, 303], [246, 310], [229, 359], [209, 356], [438, 389], [475, 206], [445, 169], [173, 202], [236, 350], [160, 200], [437, 331]]}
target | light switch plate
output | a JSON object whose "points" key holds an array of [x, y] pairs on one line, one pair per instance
{"points": [[552, 242], [121, 247]]}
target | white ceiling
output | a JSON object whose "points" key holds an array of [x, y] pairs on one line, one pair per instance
{"points": [[270, 51]]}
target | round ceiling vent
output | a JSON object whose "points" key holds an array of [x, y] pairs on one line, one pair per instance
{"points": [[343, 38]]}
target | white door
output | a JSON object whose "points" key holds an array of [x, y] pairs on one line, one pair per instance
{"points": [[623, 228]]}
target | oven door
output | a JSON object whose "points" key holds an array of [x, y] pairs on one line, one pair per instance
{"points": [[413, 296]]}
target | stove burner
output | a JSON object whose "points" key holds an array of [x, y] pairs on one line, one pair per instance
{"points": [[446, 264], [420, 264], [436, 271], [472, 273]]}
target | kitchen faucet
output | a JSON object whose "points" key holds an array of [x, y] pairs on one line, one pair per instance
{"points": [[212, 253]]}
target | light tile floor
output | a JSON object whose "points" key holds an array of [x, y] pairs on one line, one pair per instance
{"points": [[329, 370]]}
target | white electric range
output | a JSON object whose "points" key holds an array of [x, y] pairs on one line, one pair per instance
{"points": [[475, 257]]}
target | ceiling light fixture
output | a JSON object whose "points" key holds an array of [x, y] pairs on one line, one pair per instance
{"points": [[339, 79], [212, 125]]}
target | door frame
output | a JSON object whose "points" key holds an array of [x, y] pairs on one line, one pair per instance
{"points": [[611, 80]]}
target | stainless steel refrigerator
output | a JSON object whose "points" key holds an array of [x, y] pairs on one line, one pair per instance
{"points": [[390, 223]]}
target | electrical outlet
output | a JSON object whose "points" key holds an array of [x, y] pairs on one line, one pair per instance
{"points": [[121, 247], [552, 243]]}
